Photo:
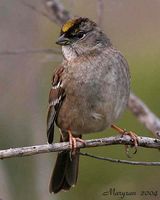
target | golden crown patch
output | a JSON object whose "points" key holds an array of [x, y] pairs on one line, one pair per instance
{"points": [[70, 23]]}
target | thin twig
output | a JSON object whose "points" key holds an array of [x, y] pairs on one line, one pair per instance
{"points": [[121, 161], [30, 51], [36, 10], [56, 147]]}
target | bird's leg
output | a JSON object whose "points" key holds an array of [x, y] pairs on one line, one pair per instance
{"points": [[73, 142], [133, 136]]}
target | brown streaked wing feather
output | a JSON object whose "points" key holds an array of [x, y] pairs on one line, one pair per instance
{"points": [[56, 97]]}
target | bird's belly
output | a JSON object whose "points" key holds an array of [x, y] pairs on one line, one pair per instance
{"points": [[80, 122], [84, 115]]}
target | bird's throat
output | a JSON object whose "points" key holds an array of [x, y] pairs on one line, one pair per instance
{"points": [[69, 52]]}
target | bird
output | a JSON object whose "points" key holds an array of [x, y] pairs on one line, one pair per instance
{"points": [[90, 90]]}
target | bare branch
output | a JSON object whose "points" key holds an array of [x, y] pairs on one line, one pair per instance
{"points": [[56, 11], [30, 51], [38, 149], [36, 10], [100, 11], [121, 161], [144, 115]]}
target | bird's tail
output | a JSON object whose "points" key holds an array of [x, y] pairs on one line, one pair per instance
{"points": [[65, 172]]}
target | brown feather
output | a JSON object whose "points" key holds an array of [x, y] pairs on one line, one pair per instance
{"points": [[56, 97]]}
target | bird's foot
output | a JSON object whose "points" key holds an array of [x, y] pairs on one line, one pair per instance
{"points": [[133, 136], [73, 142]]}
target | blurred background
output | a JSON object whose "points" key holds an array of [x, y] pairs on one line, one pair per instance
{"points": [[25, 80]]}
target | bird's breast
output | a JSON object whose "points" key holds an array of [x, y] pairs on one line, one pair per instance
{"points": [[97, 91]]}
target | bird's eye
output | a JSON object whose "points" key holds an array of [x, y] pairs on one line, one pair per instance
{"points": [[80, 35]]}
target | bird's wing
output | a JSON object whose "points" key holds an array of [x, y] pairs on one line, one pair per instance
{"points": [[56, 97]]}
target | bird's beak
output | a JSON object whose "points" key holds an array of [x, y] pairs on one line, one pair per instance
{"points": [[62, 40]]}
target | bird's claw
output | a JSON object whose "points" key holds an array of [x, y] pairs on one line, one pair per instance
{"points": [[133, 136]]}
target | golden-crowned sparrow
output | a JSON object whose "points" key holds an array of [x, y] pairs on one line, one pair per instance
{"points": [[90, 90]]}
